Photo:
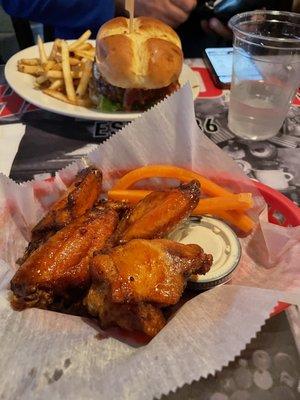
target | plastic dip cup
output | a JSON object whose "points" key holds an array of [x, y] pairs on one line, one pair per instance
{"points": [[266, 72]]}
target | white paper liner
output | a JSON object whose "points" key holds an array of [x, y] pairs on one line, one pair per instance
{"points": [[50, 355]]}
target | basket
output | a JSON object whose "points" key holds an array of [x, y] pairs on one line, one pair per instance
{"points": [[281, 211]]}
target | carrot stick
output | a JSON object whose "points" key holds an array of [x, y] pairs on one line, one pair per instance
{"points": [[217, 206], [237, 202], [241, 221], [240, 202], [170, 171], [236, 218]]}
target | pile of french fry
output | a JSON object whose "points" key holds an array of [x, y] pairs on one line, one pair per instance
{"points": [[65, 73]]}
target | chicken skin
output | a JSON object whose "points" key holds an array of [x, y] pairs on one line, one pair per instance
{"points": [[139, 274], [80, 197], [59, 268], [158, 213], [143, 317]]}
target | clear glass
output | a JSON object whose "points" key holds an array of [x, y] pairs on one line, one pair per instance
{"points": [[266, 72]]}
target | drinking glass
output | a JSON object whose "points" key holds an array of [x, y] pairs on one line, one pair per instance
{"points": [[266, 72]]}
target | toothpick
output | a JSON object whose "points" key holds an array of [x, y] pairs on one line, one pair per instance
{"points": [[129, 6]]}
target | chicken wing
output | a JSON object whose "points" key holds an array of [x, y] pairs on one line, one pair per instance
{"points": [[59, 268], [149, 270], [80, 197], [131, 282], [158, 213], [143, 317]]}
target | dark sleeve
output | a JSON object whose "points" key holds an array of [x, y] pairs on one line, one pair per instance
{"points": [[70, 14]]}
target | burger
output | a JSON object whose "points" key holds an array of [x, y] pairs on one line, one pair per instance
{"points": [[134, 70]]}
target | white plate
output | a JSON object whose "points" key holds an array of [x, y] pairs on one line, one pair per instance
{"points": [[22, 84]]}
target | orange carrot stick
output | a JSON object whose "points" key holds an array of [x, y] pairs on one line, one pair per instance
{"points": [[241, 221], [217, 206], [238, 202], [170, 171]]}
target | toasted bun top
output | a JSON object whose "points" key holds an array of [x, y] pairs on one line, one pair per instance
{"points": [[148, 58]]}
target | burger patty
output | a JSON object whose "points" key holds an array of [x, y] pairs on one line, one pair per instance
{"points": [[142, 99], [114, 93], [130, 99]]}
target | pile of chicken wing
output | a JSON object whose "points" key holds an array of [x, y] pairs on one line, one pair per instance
{"points": [[109, 260]]}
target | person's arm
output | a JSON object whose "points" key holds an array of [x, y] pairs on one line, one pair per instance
{"points": [[172, 12], [70, 14], [215, 26]]}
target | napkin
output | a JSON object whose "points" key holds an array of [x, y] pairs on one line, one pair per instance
{"points": [[10, 138], [49, 355]]}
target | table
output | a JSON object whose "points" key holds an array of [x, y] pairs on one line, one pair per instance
{"points": [[37, 143]]}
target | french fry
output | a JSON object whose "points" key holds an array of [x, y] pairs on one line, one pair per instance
{"points": [[41, 79], [57, 67], [34, 70], [84, 37], [54, 49], [49, 65], [54, 74], [57, 57], [29, 61], [57, 95], [84, 102], [85, 46], [60, 96], [67, 71], [76, 56], [43, 56], [57, 84], [76, 74], [76, 68], [86, 54], [74, 61], [63, 75], [60, 74], [84, 81]]}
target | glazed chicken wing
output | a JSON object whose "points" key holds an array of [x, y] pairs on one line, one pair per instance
{"points": [[158, 213], [149, 270], [142, 275], [80, 197], [143, 317], [59, 268]]}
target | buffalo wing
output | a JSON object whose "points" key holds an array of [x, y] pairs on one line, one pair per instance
{"points": [[143, 317], [158, 213], [60, 266], [139, 274], [80, 197]]}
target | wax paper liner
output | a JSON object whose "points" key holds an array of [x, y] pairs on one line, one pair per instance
{"points": [[50, 355]]}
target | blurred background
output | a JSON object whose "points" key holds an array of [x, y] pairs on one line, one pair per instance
{"points": [[8, 41], [205, 25]]}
